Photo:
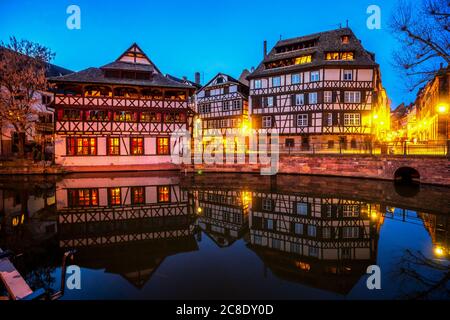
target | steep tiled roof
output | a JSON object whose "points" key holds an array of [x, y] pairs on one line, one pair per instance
{"points": [[329, 41]]}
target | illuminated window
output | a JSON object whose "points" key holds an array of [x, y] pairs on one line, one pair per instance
{"points": [[339, 56], [114, 197], [345, 39], [125, 116], [174, 117], [352, 97], [326, 233], [82, 197], [204, 108], [150, 117], [162, 146], [81, 146], [69, 114], [303, 59], [302, 120], [137, 146], [163, 194], [352, 119], [113, 146], [351, 211], [314, 76], [97, 115], [258, 84], [137, 195]]}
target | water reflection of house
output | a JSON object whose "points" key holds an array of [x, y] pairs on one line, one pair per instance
{"points": [[223, 214], [323, 242], [31, 206], [438, 226], [126, 224]]}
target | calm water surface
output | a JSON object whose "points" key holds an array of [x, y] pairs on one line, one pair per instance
{"points": [[170, 236]]}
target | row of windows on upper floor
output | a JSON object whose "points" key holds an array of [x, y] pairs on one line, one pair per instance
{"points": [[90, 197], [217, 91], [88, 146], [233, 105], [303, 120], [305, 59], [298, 78], [300, 99], [119, 116]]}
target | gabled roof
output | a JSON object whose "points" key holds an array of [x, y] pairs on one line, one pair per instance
{"points": [[133, 59], [185, 81], [328, 41], [230, 80]]}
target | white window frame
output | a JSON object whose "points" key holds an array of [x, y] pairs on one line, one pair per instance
{"points": [[270, 224], [352, 119], [299, 99], [236, 105], [267, 122], [302, 120], [267, 204], [310, 98], [329, 120], [313, 252], [326, 233], [226, 106], [276, 83], [314, 76], [348, 75], [352, 97], [350, 232], [328, 97], [296, 76], [258, 84], [271, 104]]}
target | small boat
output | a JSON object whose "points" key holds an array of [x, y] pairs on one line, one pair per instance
{"points": [[17, 287]]}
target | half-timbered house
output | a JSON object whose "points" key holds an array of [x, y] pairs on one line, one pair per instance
{"points": [[308, 238], [322, 89], [120, 115], [222, 105]]}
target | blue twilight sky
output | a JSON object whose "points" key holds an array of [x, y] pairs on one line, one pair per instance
{"points": [[182, 37]]}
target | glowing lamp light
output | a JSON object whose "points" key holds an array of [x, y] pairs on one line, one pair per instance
{"points": [[442, 108], [199, 210], [375, 116], [439, 251]]}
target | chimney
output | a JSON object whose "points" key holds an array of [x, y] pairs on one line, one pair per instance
{"points": [[265, 49], [252, 69], [197, 77], [184, 78]]}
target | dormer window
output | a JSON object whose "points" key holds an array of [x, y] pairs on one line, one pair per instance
{"points": [[345, 39], [339, 56], [220, 80]]}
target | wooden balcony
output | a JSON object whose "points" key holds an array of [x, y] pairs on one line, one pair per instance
{"points": [[115, 102]]}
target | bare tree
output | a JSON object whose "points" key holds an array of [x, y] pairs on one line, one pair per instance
{"points": [[22, 75], [423, 31], [415, 269]]}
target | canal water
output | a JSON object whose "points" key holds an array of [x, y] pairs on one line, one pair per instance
{"points": [[210, 236]]}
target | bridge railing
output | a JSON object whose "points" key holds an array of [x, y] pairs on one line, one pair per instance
{"points": [[429, 148]]}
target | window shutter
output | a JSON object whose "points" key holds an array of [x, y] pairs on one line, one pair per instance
{"points": [[273, 122], [310, 115], [363, 96], [275, 101], [320, 97], [87, 113], [334, 117], [334, 96], [293, 100], [60, 114], [306, 98], [342, 96]]}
